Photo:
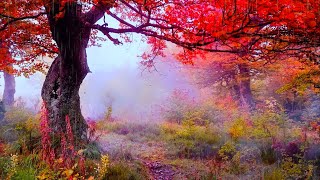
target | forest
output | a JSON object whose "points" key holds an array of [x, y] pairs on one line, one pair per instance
{"points": [[159, 89]]}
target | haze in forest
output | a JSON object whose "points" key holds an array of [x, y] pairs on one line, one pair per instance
{"points": [[117, 79]]}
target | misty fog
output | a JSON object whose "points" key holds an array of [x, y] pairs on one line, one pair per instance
{"points": [[117, 79]]}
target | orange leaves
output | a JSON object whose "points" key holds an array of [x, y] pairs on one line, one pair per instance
{"points": [[25, 37]]}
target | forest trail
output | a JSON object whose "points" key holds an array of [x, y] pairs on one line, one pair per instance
{"points": [[159, 171], [150, 154]]}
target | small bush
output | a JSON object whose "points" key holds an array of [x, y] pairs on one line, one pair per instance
{"points": [[190, 140], [92, 151], [289, 169], [268, 155], [181, 106], [4, 162], [227, 151], [274, 174], [297, 170], [122, 171], [18, 115], [238, 129], [28, 173], [236, 167], [136, 132], [21, 130]]}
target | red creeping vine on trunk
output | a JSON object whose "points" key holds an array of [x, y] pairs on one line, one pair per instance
{"points": [[48, 154], [67, 153]]}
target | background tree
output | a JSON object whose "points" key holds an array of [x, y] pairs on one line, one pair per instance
{"points": [[9, 81], [9, 88], [22, 43], [231, 75]]}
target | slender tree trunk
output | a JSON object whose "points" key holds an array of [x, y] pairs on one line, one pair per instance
{"points": [[241, 90], [60, 91], [236, 92], [9, 89], [246, 97]]}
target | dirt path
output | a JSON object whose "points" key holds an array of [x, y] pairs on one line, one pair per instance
{"points": [[149, 154], [159, 171]]}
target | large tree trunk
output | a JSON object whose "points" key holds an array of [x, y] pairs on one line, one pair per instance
{"points": [[9, 89], [60, 91]]}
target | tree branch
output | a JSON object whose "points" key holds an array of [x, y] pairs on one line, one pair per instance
{"points": [[15, 19], [97, 12]]}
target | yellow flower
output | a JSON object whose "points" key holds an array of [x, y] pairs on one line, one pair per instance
{"points": [[68, 172], [103, 169]]}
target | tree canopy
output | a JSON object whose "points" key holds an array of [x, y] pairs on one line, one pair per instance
{"points": [[262, 29]]}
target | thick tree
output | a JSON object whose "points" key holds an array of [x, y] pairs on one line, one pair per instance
{"points": [[251, 29]]}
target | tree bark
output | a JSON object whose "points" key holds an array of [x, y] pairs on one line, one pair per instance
{"points": [[241, 90], [9, 89], [246, 98], [60, 91]]}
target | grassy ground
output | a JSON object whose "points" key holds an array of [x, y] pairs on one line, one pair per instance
{"points": [[266, 146], [162, 155]]}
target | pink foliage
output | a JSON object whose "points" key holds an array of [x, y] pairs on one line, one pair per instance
{"points": [[82, 165], [69, 130], [67, 149], [48, 153], [66, 152], [67, 145]]}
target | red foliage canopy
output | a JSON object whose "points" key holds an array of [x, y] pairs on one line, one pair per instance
{"points": [[249, 28]]}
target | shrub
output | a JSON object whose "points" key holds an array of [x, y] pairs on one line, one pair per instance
{"points": [[290, 169], [25, 174], [181, 106], [268, 155], [227, 151], [297, 170], [239, 128], [235, 166], [18, 115], [4, 162], [123, 171], [22, 130], [91, 151], [190, 140], [274, 174], [268, 125]]}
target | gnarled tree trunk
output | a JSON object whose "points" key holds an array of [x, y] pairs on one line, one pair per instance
{"points": [[60, 91]]}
